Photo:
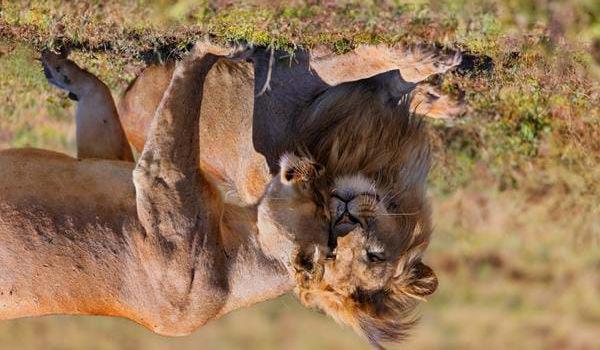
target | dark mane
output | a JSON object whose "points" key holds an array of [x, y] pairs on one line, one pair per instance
{"points": [[367, 127]]}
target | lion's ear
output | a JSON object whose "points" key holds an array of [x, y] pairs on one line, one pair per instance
{"points": [[422, 281], [295, 169]]}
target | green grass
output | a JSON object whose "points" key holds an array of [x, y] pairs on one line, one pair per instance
{"points": [[515, 187]]}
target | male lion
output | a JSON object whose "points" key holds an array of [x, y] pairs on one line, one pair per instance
{"points": [[345, 221], [365, 184]]}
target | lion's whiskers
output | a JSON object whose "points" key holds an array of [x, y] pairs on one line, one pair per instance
{"points": [[400, 214]]}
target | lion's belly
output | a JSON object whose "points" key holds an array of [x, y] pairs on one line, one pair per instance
{"points": [[66, 185]]}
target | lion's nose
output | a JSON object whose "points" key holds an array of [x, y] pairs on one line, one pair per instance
{"points": [[339, 205]]}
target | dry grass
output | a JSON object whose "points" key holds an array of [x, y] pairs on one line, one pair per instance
{"points": [[516, 187]]}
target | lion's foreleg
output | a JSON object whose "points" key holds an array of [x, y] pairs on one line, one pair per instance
{"points": [[168, 182]]}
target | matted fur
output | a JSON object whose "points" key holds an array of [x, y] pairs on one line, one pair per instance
{"points": [[357, 127]]}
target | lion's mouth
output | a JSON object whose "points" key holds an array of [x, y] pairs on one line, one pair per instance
{"points": [[342, 225]]}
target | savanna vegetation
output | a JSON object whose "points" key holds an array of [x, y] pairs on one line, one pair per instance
{"points": [[515, 186]]}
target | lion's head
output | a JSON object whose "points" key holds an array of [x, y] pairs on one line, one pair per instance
{"points": [[352, 200]]}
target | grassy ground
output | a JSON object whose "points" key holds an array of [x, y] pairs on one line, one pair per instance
{"points": [[516, 186]]}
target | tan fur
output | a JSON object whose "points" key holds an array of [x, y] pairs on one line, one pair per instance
{"points": [[80, 237], [171, 253], [365, 61], [430, 101], [99, 132]]}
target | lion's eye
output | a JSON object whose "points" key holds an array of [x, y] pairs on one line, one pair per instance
{"points": [[375, 257]]}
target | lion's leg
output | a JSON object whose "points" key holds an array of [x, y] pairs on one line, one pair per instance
{"points": [[140, 100], [415, 66], [99, 131], [169, 184], [178, 207], [172, 192]]}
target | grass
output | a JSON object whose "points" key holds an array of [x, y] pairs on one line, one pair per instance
{"points": [[515, 188]]}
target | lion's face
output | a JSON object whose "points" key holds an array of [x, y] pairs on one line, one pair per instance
{"points": [[349, 240], [368, 233]]}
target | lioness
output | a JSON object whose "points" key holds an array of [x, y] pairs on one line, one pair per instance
{"points": [[345, 220]]}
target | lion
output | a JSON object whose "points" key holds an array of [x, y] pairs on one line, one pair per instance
{"points": [[154, 243], [363, 179], [344, 221]]}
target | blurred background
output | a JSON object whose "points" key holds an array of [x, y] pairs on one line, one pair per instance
{"points": [[515, 186]]}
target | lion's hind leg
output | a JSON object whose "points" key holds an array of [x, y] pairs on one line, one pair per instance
{"points": [[99, 131]]}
